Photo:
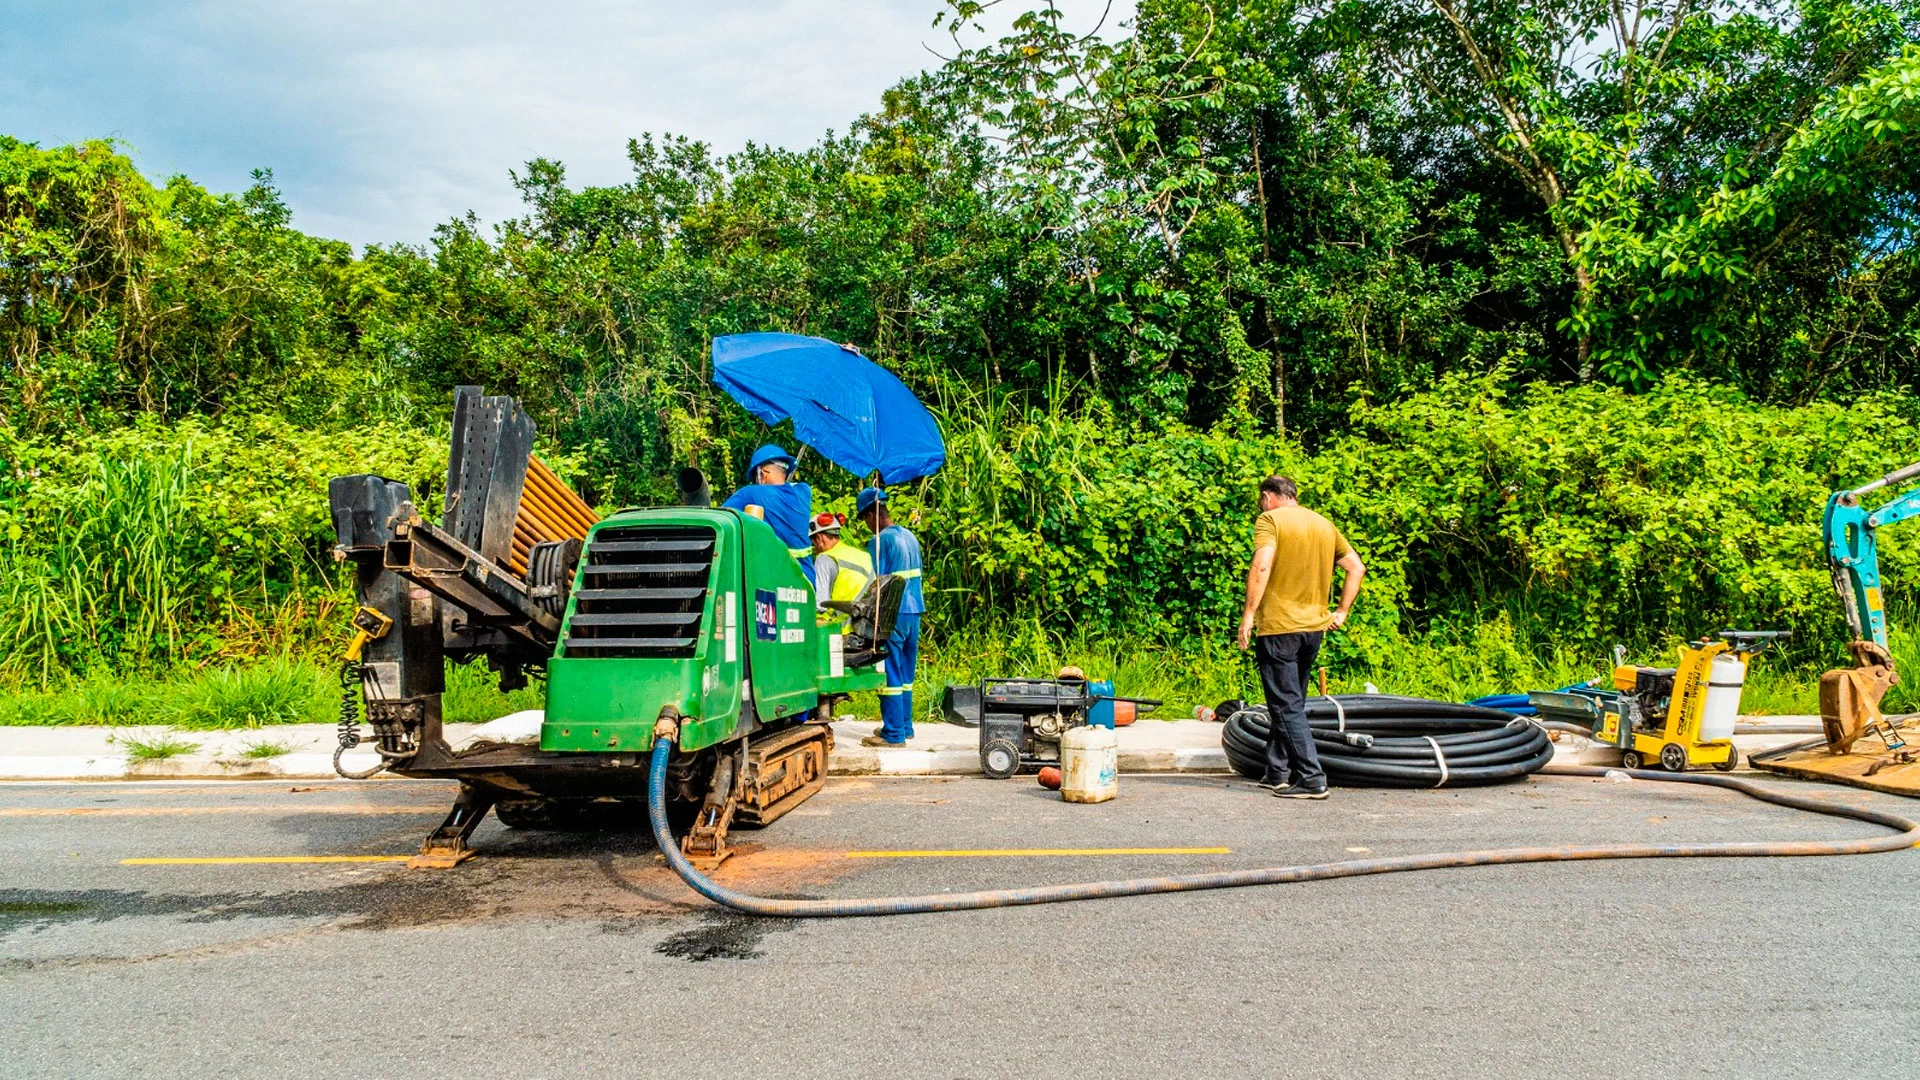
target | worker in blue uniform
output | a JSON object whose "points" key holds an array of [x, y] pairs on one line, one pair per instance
{"points": [[786, 507], [895, 551]]}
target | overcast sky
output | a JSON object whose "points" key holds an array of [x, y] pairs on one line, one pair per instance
{"points": [[382, 119]]}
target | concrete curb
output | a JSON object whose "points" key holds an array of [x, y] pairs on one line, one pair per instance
{"points": [[1185, 746], [867, 761], [855, 761], [63, 767], [188, 767]]}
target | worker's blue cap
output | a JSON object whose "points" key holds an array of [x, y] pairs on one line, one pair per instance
{"points": [[766, 455], [864, 501]]}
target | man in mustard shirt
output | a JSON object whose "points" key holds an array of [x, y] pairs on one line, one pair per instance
{"points": [[1294, 553]]}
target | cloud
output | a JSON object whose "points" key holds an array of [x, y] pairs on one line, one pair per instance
{"points": [[382, 119]]}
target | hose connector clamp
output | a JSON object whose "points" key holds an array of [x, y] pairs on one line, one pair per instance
{"points": [[668, 725]]}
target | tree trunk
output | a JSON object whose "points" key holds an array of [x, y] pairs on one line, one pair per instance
{"points": [[1262, 119], [1093, 356], [1279, 370], [1582, 294]]}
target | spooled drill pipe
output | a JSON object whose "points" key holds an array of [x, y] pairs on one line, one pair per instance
{"points": [[1906, 835], [1381, 740]]}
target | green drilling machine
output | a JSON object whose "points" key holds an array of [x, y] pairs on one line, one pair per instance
{"points": [[688, 613]]}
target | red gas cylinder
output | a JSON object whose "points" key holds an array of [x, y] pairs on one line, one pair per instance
{"points": [[1050, 778]]}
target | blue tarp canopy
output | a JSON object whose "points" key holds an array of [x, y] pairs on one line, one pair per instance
{"points": [[851, 410]]}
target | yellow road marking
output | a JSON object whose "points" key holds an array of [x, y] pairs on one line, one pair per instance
{"points": [[166, 811], [248, 860], [1021, 852]]}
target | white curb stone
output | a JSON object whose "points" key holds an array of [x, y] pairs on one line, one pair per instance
{"points": [[28, 753]]}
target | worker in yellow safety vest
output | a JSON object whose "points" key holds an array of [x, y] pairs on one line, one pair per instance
{"points": [[840, 571]]}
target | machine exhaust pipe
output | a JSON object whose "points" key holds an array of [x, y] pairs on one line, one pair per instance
{"points": [[693, 488]]}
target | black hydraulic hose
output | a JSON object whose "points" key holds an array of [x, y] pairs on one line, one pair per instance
{"points": [[353, 676], [1380, 740], [1906, 835], [1781, 751]]}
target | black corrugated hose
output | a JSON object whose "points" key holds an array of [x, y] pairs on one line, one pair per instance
{"points": [[1381, 740]]}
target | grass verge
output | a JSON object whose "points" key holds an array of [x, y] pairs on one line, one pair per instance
{"points": [[474, 696], [261, 694], [264, 694], [1449, 665]]}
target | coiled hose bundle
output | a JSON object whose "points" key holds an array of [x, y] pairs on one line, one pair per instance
{"points": [[1382, 740]]}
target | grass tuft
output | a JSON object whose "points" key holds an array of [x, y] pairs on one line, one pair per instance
{"points": [[267, 748], [158, 748]]}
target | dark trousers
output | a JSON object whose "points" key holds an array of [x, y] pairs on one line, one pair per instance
{"points": [[1285, 661]]}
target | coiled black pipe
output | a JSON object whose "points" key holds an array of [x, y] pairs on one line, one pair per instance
{"points": [[1906, 834], [1381, 740]]}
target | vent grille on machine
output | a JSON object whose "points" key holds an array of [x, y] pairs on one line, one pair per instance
{"points": [[642, 592]]}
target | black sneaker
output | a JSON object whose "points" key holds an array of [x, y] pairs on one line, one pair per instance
{"points": [[1296, 792], [1274, 786]]}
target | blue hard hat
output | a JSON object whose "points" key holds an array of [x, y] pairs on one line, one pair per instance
{"points": [[767, 455], [867, 497]]}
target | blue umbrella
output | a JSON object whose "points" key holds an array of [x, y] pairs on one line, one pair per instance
{"points": [[850, 409]]}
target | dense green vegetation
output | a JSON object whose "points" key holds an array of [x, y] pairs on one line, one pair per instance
{"points": [[1569, 314]]}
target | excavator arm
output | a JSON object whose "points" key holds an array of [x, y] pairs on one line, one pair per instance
{"points": [[1850, 698], [1853, 556]]}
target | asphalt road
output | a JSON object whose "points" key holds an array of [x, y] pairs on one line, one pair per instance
{"points": [[580, 955]]}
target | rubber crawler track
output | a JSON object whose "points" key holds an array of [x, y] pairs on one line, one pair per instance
{"points": [[1905, 835]]}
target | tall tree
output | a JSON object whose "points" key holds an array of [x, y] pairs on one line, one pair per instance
{"points": [[1623, 120]]}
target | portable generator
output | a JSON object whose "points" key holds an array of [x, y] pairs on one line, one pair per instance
{"points": [[1680, 716], [1021, 720]]}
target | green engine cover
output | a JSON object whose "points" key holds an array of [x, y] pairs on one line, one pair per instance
{"points": [[700, 609]]}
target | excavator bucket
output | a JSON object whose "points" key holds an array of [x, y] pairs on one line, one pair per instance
{"points": [[1850, 697]]}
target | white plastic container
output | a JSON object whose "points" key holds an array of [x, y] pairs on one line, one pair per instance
{"points": [[1725, 679], [1089, 764]]}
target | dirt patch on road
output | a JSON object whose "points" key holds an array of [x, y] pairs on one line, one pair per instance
{"points": [[723, 936], [616, 878]]}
